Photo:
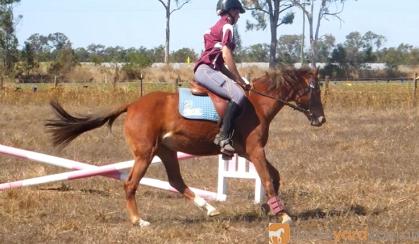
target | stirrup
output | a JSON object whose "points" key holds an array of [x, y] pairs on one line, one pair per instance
{"points": [[219, 138], [227, 144], [227, 148]]}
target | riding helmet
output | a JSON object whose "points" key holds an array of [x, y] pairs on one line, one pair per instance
{"points": [[224, 6]]}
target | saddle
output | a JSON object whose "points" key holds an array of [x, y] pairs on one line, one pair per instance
{"points": [[220, 103]]}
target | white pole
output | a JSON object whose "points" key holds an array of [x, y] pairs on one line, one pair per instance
{"points": [[62, 162], [102, 170], [43, 158]]}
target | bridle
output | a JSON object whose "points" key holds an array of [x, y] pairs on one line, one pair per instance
{"points": [[313, 85]]}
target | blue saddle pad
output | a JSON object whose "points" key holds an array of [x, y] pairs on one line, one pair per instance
{"points": [[196, 107]]}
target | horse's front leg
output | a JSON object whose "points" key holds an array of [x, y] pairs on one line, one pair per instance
{"points": [[274, 173], [171, 163], [270, 181]]}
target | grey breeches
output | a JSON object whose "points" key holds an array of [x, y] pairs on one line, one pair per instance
{"points": [[220, 84]]}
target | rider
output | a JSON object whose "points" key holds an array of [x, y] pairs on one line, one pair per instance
{"points": [[216, 69]]}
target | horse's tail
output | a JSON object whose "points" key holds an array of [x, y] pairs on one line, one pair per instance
{"points": [[66, 127]]}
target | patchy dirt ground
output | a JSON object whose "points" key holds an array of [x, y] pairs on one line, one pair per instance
{"points": [[357, 174]]}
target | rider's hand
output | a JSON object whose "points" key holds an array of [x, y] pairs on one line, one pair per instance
{"points": [[247, 87]]}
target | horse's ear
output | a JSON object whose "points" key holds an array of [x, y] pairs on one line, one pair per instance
{"points": [[316, 71]]}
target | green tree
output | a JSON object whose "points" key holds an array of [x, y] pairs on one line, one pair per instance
{"points": [[353, 47], [58, 42], [326, 45], [82, 54], [239, 47], [64, 62], [371, 40], [414, 57], [28, 58], [256, 53], [337, 66], [96, 53], [137, 60], [8, 41], [156, 54], [360, 48], [289, 47], [64, 57], [182, 55], [269, 10], [393, 57], [40, 46], [114, 54]]}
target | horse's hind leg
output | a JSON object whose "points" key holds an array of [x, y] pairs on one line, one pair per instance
{"points": [[143, 145], [171, 163], [136, 174]]}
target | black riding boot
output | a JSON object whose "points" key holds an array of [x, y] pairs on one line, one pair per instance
{"points": [[223, 138]]}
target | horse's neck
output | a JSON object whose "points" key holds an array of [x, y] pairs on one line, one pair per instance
{"points": [[268, 107]]}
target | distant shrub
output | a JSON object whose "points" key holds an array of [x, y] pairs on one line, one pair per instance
{"points": [[136, 63]]}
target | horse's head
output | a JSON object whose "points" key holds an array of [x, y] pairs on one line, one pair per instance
{"points": [[307, 96], [300, 86]]}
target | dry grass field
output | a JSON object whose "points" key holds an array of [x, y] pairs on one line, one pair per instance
{"points": [[353, 180]]}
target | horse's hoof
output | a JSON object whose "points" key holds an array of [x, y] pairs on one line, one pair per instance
{"points": [[143, 223], [265, 209], [204, 205], [285, 218], [213, 212]]}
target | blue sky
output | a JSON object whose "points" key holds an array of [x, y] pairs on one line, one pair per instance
{"points": [[135, 23]]}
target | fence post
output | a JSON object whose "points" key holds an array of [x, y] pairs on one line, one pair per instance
{"points": [[141, 84], [178, 80], [326, 88], [113, 85], [415, 87], [115, 76], [55, 82]]}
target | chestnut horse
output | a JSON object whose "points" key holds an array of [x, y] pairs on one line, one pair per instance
{"points": [[154, 127]]}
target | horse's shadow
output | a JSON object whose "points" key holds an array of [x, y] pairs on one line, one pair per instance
{"points": [[317, 213], [248, 217]]}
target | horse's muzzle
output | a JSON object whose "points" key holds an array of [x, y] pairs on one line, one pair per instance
{"points": [[319, 121]]}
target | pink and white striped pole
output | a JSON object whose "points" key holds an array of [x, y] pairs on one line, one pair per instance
{"points": [[87, 170], [101, 170], [62, 162]]}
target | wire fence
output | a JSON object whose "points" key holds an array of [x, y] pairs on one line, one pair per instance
{"points": [[370, 93]]}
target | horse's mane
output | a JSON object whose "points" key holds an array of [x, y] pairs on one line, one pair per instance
{"points": [[286, 76]]}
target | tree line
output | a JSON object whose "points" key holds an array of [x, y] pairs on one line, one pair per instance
{"points": [[343, 59]]}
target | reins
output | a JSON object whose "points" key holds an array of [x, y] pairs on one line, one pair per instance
{"points": [[280, 100]]}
